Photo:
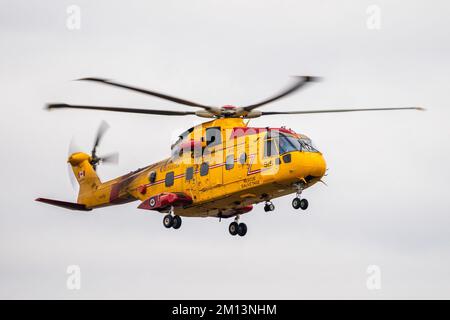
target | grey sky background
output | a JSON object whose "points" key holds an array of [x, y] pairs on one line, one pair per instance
{"points": [[387, 201]]}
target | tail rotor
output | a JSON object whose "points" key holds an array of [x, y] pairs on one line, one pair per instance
{"points": [[112, 158]]}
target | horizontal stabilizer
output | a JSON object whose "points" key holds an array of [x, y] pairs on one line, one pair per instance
{"points": [[64, 204]]}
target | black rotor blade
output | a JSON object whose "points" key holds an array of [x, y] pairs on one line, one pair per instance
{"points": [[112, 158], [299, 83], [101, 131], [149, 92], [120, 109], [268, 113]]}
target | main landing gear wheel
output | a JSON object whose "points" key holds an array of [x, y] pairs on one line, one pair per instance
{"points": [[303, 204], [242, 229], [298, 203], [233, 228], [168, 221], [238, 229], [269, 206], [176, 222]]}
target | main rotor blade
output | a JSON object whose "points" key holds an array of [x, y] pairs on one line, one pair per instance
{"points": [[299, 83], [120, 109], [268, 113], [149, 92]]}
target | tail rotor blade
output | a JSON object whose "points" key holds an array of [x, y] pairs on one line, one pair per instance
{"points": [[112, 158], [101, 131]]}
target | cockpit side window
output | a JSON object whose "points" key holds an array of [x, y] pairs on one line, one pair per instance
{"points": [[288, 144]]}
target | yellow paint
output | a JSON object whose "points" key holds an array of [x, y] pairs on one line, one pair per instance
{"points": [[252, 179]]}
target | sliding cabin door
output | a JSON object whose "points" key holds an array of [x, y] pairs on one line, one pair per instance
{"points": [[208, 176]]}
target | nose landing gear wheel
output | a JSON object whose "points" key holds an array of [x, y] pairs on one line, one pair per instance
{"points": [[233, 228], [176, 222], [168, 221]]}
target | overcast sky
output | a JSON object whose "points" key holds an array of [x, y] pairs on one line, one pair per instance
{"points": [[387, 202]]}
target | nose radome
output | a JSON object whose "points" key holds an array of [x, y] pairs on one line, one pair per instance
{"points": [[319, 165]]}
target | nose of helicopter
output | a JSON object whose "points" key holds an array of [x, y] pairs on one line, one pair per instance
{"points": [[318, 165], [310, 165]]}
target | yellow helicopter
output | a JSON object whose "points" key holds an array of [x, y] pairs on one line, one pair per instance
{"points": [[220, 168]]}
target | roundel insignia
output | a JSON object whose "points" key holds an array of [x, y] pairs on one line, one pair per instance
{"points": [[152, 202]]}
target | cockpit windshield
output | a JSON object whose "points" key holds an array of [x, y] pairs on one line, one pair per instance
{"points": [[288, 143], [307, 144]]}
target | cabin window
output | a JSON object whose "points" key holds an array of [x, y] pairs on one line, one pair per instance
{"points": [[169, 179], [213, 136], [204, 169], [152, 177], [243, 158], [189, 173], [229, 162]]}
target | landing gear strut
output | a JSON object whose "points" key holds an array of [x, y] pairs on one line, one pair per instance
{"points": [[299, 203], [172, 221], [269, 206], [237, 228]]}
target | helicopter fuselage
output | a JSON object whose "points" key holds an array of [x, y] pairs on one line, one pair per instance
{"points": [[222, 166]]}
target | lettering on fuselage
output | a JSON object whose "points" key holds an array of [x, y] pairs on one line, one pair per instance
{"points": [[250, 182], [268, 164]]}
